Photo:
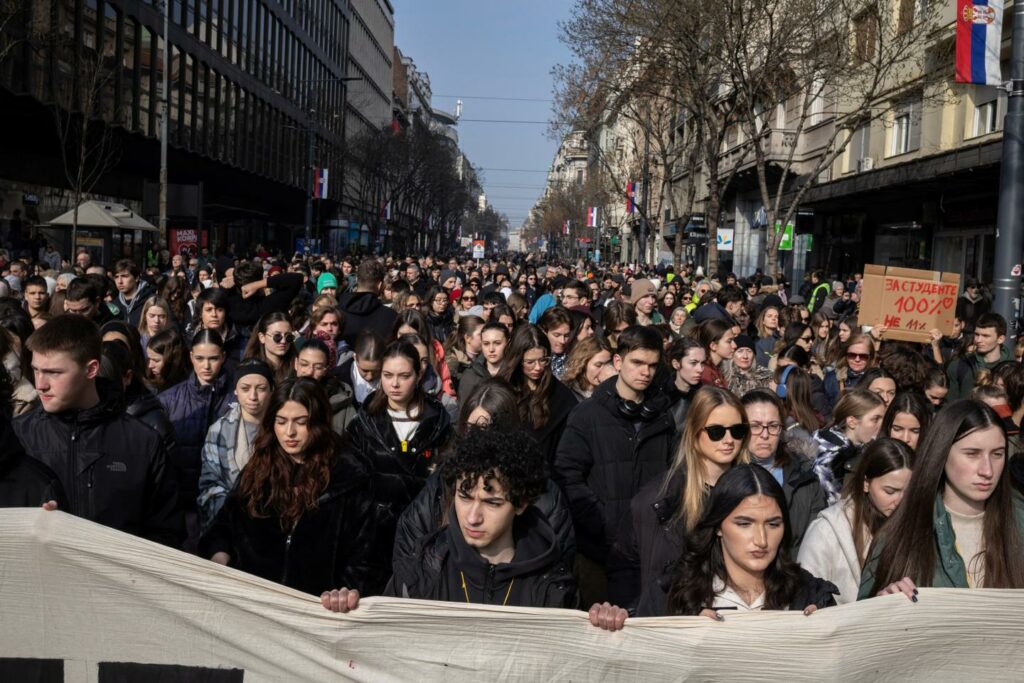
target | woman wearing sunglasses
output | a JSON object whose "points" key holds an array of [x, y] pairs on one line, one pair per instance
{"points": [[857, 359], [467, 300], [544, 402], [714, 438], [273, 342]]}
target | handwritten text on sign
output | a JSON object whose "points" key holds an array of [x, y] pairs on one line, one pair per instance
{"points": [[919, 303]]}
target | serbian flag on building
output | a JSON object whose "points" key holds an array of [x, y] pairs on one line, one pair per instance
{"points": [[565, 227], [631, 191], [385, 210], [320, 183], [592, 217], [979, 36]]}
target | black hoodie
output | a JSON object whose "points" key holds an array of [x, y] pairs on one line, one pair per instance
{"points": [[364, 310], [447, 568]]}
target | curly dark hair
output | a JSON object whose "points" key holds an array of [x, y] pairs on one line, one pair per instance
{"points": [[508, 456]]}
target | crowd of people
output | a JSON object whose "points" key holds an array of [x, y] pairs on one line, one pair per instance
{"points": [[515, 432]]}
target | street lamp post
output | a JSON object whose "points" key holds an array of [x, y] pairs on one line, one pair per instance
{"points": [[1009, 238]]}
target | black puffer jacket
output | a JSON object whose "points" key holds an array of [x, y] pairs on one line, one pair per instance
{"points": [[603, 460], [24, 481], [812, 591], [192, 408], [425, 515], [146, 407], [332, 545], [537, 576], [364, 310], [112, 467], [400, 472], [246, 312]]}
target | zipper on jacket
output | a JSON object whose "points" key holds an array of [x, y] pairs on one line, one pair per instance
{"points": [[287, 553], [489, 584], [72, 484]]}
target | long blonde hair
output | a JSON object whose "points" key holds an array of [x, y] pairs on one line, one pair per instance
{"points": [[689, 458]]}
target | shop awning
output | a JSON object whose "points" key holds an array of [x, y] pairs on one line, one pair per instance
{"points": [[96, 214]]}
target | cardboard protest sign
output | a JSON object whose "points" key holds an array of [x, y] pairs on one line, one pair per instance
{"points": [[908, 302]]}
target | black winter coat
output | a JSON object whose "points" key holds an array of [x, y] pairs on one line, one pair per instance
{"points": [[563, 401], [649, 542], [331, 545], [472, 377], [805, 498], [441, 325], [24, 481], [112, 467], [192, 408], [146, 408], [812, 591], [364, 310], [399, 474], [537, 576], [425, 515], [603, 460]]}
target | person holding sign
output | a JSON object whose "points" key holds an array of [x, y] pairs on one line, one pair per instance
{"points": [[989, 335]]}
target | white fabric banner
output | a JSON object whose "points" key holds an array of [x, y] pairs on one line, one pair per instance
{"points": [[80, 602]]}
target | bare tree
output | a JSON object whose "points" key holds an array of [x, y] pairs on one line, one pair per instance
{"points": [[84, 113]]}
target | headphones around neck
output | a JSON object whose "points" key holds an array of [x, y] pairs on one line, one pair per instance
{"points": [[780, 389], [645, 410]]}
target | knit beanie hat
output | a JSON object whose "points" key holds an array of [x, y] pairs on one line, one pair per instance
{"points": [[326, 280]]}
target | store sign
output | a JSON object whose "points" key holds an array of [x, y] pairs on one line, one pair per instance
{"points": [[726, 239], [787, 236], [184, 241]]}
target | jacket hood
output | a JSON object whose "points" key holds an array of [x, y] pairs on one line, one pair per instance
{"points": [[710, 311], [536, 548], [11, 450], [342, 396], [111, 404], [141, 403], [359, 303]]}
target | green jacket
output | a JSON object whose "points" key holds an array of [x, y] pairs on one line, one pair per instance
{"points": [[950, 571], [963, 372]]}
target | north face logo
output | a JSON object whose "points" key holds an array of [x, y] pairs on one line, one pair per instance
{"points": [[117, 467]]}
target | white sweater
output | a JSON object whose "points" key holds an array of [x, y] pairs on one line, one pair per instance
{"points": [[828, 552]]}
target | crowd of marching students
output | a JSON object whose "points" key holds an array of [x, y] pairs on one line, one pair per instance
{"points": [[639, 442]]}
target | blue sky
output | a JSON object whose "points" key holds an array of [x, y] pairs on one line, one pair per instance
{"points": [[491, 48]]}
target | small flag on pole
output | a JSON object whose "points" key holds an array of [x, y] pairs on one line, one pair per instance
{"points": [[385, 210], [320, 183], [566, 226], [979, 36], [631, 189], [592, 217]]}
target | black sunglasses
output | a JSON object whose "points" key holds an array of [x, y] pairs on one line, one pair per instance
{"points": [[717, 432]]}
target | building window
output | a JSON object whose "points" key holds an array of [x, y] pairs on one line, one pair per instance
{"points": [[817, 109], [986, 111], [900, 135], [860, 149], [906, 127], [865, 28]]}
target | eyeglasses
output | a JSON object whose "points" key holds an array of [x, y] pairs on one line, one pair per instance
{"points": [[469, 298], [279, 337], [807, 339], [858, 356], [773, 428], [537, 362], [717, 432]]}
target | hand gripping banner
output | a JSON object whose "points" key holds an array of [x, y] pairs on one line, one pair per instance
{"points": [[80, 602]]}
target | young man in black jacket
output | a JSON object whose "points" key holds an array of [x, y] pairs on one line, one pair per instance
{"points": [[363, 308], [497, 548], [614, 442], [112, 467]]}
